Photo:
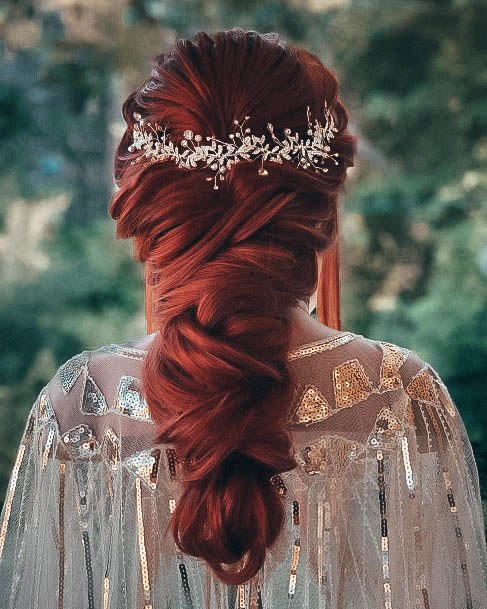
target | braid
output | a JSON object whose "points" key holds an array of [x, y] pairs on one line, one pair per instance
{"points": [[229, 265]]}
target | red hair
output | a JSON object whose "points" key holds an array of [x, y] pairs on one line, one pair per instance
{"points": [[225, 268]]}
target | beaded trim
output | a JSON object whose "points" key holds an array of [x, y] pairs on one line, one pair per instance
{"points": [[143, 556]]}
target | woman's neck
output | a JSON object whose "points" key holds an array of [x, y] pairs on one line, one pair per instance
{"points": [[305, 328]]}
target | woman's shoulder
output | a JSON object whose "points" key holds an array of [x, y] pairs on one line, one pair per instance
{"points": [[351, 370], [105, 380]]}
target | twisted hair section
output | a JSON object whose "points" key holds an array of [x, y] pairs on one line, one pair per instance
{"points": [[226, 266]]}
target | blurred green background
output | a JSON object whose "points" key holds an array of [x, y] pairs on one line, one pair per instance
{"points": [[414, 216]]}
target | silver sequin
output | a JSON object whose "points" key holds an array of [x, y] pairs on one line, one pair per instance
{"points": [[44, 408], [129, 399], [142, 464], [92, 399], [70, 370], [131, 352], [81, 441], [110, 448]]}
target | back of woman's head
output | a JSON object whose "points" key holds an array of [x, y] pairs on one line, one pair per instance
{"points": [[226, 267]]}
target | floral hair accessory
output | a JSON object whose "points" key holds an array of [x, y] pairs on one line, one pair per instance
{"points": [[219, 156]]}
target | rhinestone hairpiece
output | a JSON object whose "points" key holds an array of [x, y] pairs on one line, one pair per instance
{"points": [[220, 156]]}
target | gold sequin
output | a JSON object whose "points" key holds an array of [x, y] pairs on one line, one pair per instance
{"points": [[45, 409], [385, 429], [254, 593], [459, 538], [10, 496], [47, 447], [433, 415], [384, 529], [171, 462], [386, 422], [421, 387], [241, 596], [314, 457], [142, 551], [392, 359], [294, 568], [296, 550], [110, 448], [409, 414], [312, 407], [351, 384], [318, 346], [278, 482], [445, 399]]}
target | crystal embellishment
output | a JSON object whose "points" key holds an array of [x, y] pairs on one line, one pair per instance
{"points": [[312, 152], [130, 402]]}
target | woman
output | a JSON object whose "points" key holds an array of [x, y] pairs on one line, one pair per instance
{"points": [[243, 454]]}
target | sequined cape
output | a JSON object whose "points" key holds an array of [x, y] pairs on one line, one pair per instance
{"points": [[383, 511]]}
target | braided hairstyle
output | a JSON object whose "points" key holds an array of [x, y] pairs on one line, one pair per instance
{"points": [[226, 267]]}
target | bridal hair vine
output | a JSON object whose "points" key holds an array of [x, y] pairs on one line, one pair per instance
{"points": [[220, 156]]}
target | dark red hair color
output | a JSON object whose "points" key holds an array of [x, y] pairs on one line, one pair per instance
{"points": [[226, 266]]}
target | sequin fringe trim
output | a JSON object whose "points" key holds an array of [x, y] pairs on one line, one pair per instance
{"points": [[143, 555], [182, 568], [323, 533], [89, 570], [62, 479], [384, 533], [459, 538], [47, 448], [255, 600], [10, 497], [296, 551], [106, 592], [407, 464]]}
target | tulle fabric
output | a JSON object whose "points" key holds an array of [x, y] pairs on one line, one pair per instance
{"points": [[383, 510]]}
